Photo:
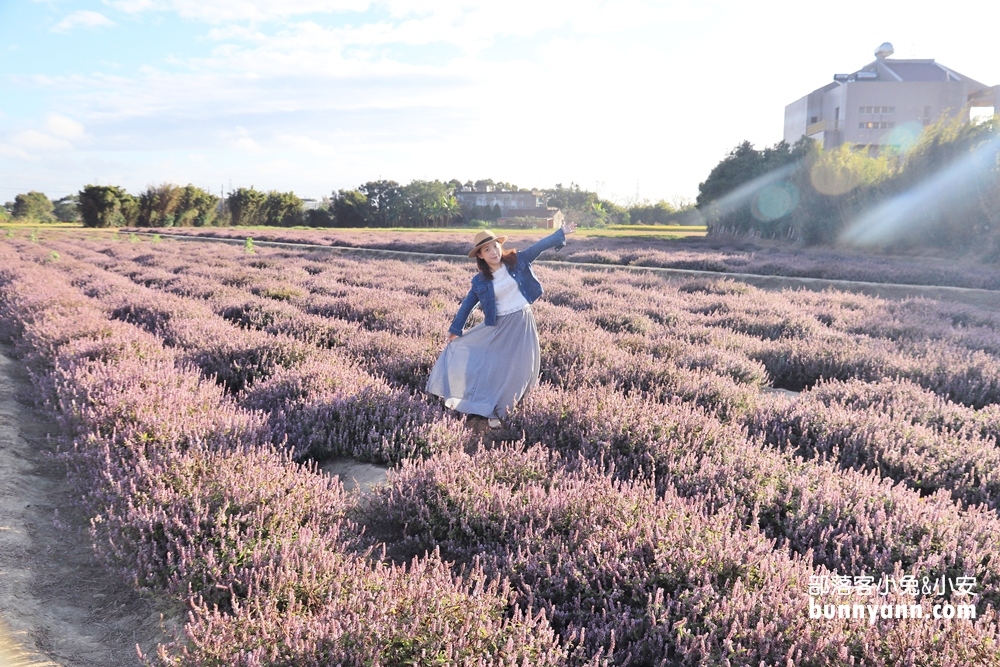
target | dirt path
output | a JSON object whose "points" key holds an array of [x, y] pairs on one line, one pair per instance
{"points": [[57, 605]]}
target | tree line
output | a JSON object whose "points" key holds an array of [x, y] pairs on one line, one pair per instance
{"points": [[36, 207], [943, 192], [380, 203]]}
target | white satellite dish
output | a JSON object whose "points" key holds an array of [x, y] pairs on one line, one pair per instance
{"points": [[884, 51]]}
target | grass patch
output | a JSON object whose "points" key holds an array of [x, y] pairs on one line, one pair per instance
{"points": [[45, 225]]}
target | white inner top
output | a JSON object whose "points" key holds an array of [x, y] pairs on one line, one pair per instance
{"points": [[509, 297]]}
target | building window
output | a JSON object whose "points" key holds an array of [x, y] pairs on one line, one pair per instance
{"points": [[878, 109], [874, 125]]}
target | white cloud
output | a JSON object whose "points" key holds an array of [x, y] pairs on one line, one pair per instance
{"points": [[10, 151], [39, 141], [303, 143], [247, 144], [241, 140], [231, 31], [240, 11], [64, 127], [83, 18]]}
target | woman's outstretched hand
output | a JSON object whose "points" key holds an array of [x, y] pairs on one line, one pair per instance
{"points": [[569, 227]]}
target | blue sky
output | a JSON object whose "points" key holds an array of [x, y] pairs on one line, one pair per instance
{"points": [[636, 99]]}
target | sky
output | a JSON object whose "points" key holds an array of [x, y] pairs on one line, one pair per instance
{"points": [[634, 99]]}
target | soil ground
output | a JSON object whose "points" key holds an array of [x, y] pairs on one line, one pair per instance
{"points": [[58, 605]]}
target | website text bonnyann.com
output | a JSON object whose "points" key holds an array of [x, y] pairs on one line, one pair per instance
{"points": [[875, 612], [828, 598]]}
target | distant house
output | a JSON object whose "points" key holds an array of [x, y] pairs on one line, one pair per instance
{"points": [[885, 102], [538, 217], [487, 198]]}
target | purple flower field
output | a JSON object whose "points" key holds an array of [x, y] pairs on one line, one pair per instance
{"points": [[717, 253], [655, 501]]}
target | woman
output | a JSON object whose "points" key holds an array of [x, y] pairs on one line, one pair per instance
{"points": [[487, 369]]}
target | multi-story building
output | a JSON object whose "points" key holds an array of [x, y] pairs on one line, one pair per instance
{"points": [[886, 102], [486, 198], [513, 208]]}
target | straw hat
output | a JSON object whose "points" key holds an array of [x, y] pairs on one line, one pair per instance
{"points": [[484, 237]]}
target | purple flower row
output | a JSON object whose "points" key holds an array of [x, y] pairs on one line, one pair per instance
{"points": [[831, 422], [644, 577], [186, 500], [791, 340], [849, 521], [651, 384], [727, 255]]}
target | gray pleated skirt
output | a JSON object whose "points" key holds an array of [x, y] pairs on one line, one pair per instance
{"points": [[489, 369]]}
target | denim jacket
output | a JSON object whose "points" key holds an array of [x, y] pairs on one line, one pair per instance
{"points": [[482, 289]]}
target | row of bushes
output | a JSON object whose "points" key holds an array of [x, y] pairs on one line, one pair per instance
{"points": [[36, 207]]}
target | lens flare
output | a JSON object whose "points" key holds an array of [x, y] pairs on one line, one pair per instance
{"points": [[775, 201], [954, 187], [904, 136], [832, 179], [749, 193]]}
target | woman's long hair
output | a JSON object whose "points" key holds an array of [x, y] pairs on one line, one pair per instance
{"points": [[509, 258]]}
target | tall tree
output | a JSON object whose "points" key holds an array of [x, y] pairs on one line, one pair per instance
{"points": [[746, 173], [33, 206], [170, 205], [652, 214], [385, 202], [197, 207], [67, 209], [245, 206], [583, 207], [107, 206], [428, 204], [158, 205], [282, 209], [570, 198], [349, 208]]}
